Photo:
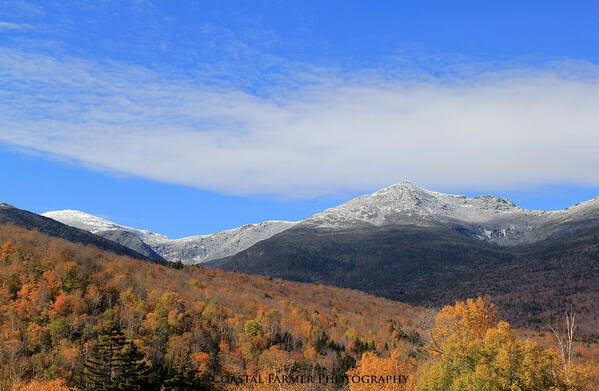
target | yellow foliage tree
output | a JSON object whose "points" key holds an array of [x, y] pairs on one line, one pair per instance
{"points": [[392, 373], [471, 318], [474, 352], [37, 385]]}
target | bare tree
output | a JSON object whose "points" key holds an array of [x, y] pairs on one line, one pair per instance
{"points": [[426, 322], [565, 340]]}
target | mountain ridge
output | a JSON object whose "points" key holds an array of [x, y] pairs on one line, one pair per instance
{"points": [[51, 227], [484, 218], [190, 250], [415, 245]]}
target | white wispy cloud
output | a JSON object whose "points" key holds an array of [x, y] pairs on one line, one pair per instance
{"points": [[4, 26], [339, 132]]}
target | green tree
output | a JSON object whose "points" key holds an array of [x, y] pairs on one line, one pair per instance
{"points": [[114, 364], [134, 370], [184, 377], [103, 366]]}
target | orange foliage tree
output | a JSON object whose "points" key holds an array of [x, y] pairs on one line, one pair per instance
{"points": [[393, 373]]}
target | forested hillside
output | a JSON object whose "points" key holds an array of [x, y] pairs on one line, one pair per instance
{"points": [[432, 266], [74, 316]]}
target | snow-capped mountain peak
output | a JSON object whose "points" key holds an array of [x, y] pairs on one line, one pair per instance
{"points": [[407, 203], [192, 249], [483, 217], [82, 220]]}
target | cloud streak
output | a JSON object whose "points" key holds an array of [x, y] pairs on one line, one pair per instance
{"points": [[5, 26], [339, 132]]}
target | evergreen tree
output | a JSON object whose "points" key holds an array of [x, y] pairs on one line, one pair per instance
{"points": [[185, 378], [134, 371], [114, 364], [102, 367]]}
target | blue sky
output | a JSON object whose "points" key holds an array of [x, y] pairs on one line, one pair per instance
{"points": [[192, 117]]}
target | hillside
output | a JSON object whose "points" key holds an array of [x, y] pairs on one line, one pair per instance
{"points": [[48, 226], [56, 294], [531, 284], [62, 302], [410, 244]]}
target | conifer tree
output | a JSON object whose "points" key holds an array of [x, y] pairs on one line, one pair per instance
{"points": [[134, 371], [185, 378], [114, 364], [103, 366]]}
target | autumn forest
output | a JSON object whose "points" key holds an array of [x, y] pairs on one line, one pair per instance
{"points": [[76, 317]]}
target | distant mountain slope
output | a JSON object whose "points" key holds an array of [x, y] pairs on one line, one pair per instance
{"points": [[434, 266], [383, 260], [48, 226], [485, 218], [204, 248], [188, 250], [423, 247], [130, 240]]}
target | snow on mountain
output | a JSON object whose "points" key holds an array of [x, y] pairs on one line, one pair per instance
{"points": [[189, 250], [204, 248], [95, 224], [84, 221], [484, 217], [407, 202]]}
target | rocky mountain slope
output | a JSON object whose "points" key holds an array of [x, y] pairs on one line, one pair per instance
{"points": [[51, 227], [188, 250], [483, 218]]}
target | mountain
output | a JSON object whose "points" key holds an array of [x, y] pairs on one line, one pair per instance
{"points": [[423, 247], [485, 218], [55, 311], [410, 244], [188, 250], [125, 236], [51, 227]]}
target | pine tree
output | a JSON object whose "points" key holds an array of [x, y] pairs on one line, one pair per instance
{"points": [[102, 367], [114, 364], [185, 378], [134, 371]]}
